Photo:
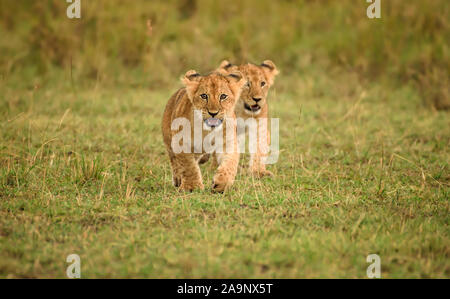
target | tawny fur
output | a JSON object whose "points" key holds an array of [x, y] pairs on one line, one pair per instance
{"points": [[259, 80], [185, 170]]}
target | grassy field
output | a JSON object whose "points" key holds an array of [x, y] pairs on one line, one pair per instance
{"points": [[364, 140], [88, 174]]}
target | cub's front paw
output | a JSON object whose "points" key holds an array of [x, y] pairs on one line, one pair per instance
{"points": [[221, 183], [191, 186]]}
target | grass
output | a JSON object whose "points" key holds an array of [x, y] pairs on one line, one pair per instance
{"points": [[364, 136], [363, 169]]}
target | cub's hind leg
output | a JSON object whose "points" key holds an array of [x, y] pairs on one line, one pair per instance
{"points": [[191, 177], [257, 164], [176, 170]]}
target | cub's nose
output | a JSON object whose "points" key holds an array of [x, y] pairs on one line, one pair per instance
{"points": [[256, 99], [213, 113]]}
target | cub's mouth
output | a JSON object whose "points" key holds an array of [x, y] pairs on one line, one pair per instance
{"points": [[213, 122], [252, 108]]}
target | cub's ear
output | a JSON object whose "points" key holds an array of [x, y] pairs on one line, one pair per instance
{"points": [[190, 76], [237, 81], [237, 76], [225, 67], [269, 65], [225, 64], [191, 80], [270, 70]]}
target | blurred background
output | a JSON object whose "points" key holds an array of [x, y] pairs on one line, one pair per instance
{"points": [[113, 43]]}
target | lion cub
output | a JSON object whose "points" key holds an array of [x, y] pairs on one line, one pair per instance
{"points": [[210, 101], [253, 101]]}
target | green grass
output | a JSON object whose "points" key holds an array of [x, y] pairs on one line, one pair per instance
{"points": [[363, 169], [365, 134]]}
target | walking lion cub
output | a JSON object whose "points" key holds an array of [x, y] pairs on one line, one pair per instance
{"points": [[206, 103], [253, 103]]}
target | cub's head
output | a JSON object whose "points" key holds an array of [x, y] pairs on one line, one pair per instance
{"points": [[259, 79], [215, 94]]}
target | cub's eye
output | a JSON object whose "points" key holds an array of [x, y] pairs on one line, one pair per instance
{"points": [[204, 96], [263, 83], [223, 96]]}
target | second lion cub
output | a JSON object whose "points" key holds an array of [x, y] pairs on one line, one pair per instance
{"points": [[253, 102]]}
